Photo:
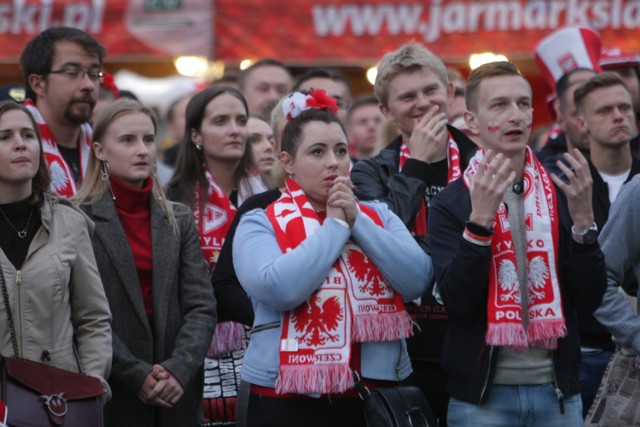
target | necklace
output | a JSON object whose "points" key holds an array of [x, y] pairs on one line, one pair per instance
{"points": [[21, 233]]}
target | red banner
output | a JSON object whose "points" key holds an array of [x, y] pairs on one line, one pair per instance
{"points": [[315, 31], [129, 29], [307, 31]]}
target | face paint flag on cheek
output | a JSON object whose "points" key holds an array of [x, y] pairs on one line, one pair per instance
{"points": [[493, 127]]}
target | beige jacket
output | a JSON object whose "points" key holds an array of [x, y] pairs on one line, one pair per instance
{"points": [[57, 291]]}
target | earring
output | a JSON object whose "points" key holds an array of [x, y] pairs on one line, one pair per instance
{"points": [[199, 147], [105, 170]]}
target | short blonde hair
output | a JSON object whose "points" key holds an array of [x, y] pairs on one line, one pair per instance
{"points": [[409, 57]]}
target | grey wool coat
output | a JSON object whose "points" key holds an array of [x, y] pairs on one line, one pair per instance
{"points": [[184, 314]]}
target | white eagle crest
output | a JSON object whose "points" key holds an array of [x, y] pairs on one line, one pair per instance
{"points": [[538, 275], [59, 179], [508, 281]]}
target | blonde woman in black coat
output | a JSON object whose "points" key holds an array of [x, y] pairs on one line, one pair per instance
{"points": [[154, 275]]}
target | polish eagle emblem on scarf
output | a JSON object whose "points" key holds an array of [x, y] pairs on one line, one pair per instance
{"points": [[538, 276], [315, 322], [508, 280], [372, 281]]}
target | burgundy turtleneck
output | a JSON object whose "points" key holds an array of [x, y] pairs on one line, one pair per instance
{"points": [[134, 212]]}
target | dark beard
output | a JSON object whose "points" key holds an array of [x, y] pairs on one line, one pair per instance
{"points": [[78, 116]]}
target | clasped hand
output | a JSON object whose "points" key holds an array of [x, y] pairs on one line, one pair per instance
{"points": [[160, 388], [341, 202]]}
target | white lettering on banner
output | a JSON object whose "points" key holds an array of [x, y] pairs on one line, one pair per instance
{"points": [[20, 17], [458, 17]]}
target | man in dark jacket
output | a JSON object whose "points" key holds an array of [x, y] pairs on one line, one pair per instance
{"points": [[516, 256], [414, 94], [604, 110]]}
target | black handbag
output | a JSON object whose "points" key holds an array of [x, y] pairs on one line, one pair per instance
{"points": [[39, 395], [401, 406]]}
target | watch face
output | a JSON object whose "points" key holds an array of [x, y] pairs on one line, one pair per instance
{"points": [[590, 237]]}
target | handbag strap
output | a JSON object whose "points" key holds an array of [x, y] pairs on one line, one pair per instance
{"points": [[361, 388], [12, 327]]}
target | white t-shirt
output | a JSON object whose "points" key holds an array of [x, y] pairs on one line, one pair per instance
{"points": [[615, 183]]}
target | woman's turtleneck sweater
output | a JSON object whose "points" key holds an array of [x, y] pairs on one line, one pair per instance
{"points": [[134, 211]]}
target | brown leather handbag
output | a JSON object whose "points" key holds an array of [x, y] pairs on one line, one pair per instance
{"points": [[39, 395]]}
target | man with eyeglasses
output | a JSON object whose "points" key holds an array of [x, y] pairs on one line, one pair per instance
{"points": [[62, 70]]}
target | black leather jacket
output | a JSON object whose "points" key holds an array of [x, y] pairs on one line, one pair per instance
{"points": [[462, 274], [379, 178]]}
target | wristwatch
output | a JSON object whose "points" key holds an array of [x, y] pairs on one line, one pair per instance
{"points": [[586, 237]]}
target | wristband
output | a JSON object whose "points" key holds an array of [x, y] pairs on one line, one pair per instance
{"points": [[476, 239], [477, 229]]}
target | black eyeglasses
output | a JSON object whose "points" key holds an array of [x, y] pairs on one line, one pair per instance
{"points": [[78, 73]]}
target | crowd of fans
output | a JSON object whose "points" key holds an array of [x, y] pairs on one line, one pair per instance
{"points": [[286, 235]]}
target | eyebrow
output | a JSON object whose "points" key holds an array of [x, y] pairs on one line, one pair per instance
{"points": [[78, 65]]}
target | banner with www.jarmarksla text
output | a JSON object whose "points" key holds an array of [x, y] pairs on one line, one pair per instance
{"points": [[352, 30], [129, 29]]}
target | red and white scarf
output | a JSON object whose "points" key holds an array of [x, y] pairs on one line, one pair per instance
{"points": [[62, 181], [353, 304], [546, 318], [454, 172], [218, 214]]}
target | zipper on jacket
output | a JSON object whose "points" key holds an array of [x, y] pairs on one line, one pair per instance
{"points": [[556, 388], [486, 379], [19, 317]]}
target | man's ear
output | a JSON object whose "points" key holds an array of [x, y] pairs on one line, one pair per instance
{"points": [[38, 84], [451, 92], [582, 123], [472, 122], [287, 162], [386, 112]]}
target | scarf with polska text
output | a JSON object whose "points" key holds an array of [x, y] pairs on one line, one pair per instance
{"points": [[454, 172], [62, 181], [213, 226], [546, 318], [353, 304]]}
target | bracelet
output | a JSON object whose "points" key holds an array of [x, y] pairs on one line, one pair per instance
{"points": [[476, 239], [478, 229]]}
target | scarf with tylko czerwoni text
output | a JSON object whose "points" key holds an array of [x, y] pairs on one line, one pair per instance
{"points": [[353, 304]]}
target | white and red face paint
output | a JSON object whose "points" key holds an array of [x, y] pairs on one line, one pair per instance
{"points": [[493, 126]]}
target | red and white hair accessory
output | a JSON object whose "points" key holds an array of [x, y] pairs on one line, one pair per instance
{"points": [[298, 102]]}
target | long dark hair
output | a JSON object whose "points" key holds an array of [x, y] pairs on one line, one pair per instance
{"points": [[41, 181], [188, 174]]}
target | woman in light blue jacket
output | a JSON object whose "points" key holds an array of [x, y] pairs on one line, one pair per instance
{"points": [[327, 277]]}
